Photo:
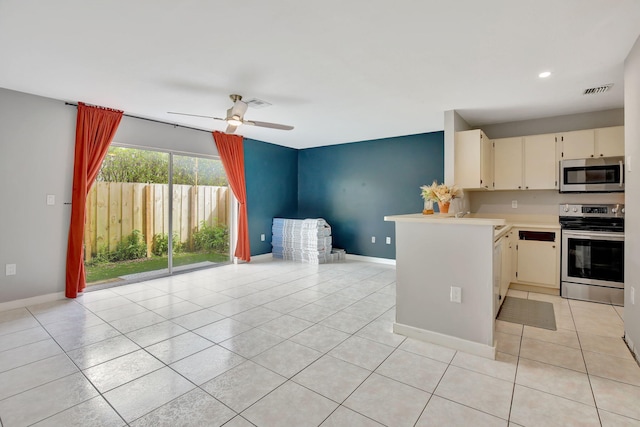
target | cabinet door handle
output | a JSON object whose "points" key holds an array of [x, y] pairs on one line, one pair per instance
{"points": [[519, 186], [592, 155], [527, 187], [554, 246]]}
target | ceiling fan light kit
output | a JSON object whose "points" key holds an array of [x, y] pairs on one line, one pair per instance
{"points": [[235, 116]]}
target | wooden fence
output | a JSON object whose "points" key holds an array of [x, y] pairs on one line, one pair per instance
{"points": [[116, 209]]}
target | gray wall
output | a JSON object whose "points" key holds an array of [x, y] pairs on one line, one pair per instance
{"points": [[149, 134], [632, 226], [596, 119], [37, 138], [36, 158]]}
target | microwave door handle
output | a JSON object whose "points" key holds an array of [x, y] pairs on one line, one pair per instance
{"points": [[621, 173]]}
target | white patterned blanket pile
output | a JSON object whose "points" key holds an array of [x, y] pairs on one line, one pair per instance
{"points": [[304, 240]]}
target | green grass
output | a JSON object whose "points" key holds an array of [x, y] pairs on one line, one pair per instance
{"points": [[111, 270]]}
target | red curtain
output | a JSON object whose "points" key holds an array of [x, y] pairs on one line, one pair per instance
{"points": [[231, 153], [95, 129]]}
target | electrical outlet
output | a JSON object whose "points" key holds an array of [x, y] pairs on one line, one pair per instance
{"points": [[514, 204], [388, 240], [373, 239], [51, 199], [262, 237], [10, 270], [632, 295], [456, 294]]}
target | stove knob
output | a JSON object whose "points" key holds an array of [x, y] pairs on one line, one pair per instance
{"points": [[575, 209], [622, 210], [614, 210], [566, 208]]}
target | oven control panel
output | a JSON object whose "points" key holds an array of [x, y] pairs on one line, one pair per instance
{"points": [[592, 211]]}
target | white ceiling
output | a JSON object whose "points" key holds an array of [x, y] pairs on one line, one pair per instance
{"points": [[339, 71]]}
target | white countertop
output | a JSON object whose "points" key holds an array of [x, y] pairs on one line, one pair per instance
{"points": [[501, 223], [445, 219]]}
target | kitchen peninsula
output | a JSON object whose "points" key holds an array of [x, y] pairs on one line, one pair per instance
{"points": [[437, 255]]}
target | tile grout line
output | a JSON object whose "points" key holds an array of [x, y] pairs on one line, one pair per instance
{"points": [[586, 367]]}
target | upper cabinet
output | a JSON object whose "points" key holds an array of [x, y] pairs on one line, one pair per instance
{"points": [[540, 164], [473, 160], [525, 163], [602, 142], [609, 141], [508, 163]]}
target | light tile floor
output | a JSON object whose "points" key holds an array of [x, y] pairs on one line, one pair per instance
{"points": [[275, 343]]}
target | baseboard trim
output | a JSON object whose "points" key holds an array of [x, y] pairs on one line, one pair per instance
{"points": [[631, 347], [262, 257], [374, 260], [19, 303], [445, 340]]}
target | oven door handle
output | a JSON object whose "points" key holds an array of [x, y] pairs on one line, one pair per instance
{"points": [[593, 234], [621, 173]]}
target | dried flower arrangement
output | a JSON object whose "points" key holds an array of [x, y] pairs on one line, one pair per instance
{"points": [[440, 192]]}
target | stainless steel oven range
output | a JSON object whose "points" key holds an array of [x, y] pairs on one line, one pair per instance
{"points": [[592, 260]]}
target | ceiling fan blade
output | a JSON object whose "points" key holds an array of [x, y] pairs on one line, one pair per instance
{"points": [[268, 125], [194, 115], [231, 129]]}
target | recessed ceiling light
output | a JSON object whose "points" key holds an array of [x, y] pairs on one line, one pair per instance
{"points": [[544, 74]]}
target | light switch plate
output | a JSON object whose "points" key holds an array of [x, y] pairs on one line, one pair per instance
{"points": [[373, 239], [388, 241], [456, 294], [262, 237], [10, 270], [51, 199], [514, 204]]}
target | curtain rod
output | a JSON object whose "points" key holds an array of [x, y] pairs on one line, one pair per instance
{"points": [[175, 125]]}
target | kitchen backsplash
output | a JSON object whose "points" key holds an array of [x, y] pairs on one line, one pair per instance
{"points": [[530, 202]]}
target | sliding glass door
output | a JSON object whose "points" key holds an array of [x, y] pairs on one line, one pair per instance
{"points": [[151, 213], [200, 212]]}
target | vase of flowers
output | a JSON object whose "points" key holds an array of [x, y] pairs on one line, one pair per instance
{"points": [[441, 194]]}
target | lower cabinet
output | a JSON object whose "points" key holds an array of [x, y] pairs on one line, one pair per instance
{"points": [[537, 257]]}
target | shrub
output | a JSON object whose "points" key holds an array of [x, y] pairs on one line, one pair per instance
{"points": [[161, 244], [128, 248], [211, 238]]}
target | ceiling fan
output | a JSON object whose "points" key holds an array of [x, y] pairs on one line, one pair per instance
{"points": [[235, 116]]}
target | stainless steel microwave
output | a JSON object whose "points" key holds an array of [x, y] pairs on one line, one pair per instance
{"points": [[592, 175]]}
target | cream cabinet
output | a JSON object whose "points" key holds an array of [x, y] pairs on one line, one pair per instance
{"points": [[508, 163], [537, 262], [577, 144], [473, 160], [527, 163], [540, 163], [601, 142], [609, 142]]}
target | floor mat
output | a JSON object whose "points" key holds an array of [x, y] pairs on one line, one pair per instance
{"points": [[528, 312]]}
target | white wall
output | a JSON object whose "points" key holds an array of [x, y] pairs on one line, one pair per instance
{"points": [[37, 138], [632, 222]]}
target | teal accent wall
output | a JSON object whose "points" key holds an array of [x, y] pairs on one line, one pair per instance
{"points": [[353, 186], [271, 175]]}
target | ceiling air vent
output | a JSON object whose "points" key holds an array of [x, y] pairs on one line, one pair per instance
{"points": [[257, 103], [597, 90]]}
